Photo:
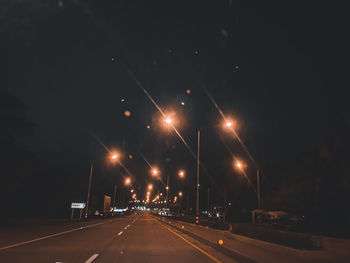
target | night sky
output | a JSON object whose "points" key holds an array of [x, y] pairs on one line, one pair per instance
{"points": [[271, 66]]}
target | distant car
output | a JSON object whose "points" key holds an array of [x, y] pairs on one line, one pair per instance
{"points": [[100, 214], [279, 219]]}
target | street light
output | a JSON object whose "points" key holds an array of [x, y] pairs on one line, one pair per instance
{"points": [[229, 124], [155, 172], [180, 193], [181, 173], [150, 186], [114, 157], [241, 167], [127, 181]]}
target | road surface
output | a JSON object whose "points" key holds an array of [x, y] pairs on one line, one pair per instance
{"points": [[142, 238], [136, 238]]}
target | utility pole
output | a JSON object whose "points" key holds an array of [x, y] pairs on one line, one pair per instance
{"points": [[208, 199], [225, 206], [88, 193], [198, 150], [187, 203], [258, 184], [167, 190], [114, 196]]}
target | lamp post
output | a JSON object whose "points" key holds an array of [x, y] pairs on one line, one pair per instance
{"points": [[114, 157], [258, 185], [88, 193], [167, 191], [168, 121], [197, 187], [241, 166]]}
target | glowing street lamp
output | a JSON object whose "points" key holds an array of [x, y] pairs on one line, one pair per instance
{"points": [[115, 156], [150, 186], [229, 124], [239, 165], [127, 181], [181, 173], [155, 172], [180, 194]]}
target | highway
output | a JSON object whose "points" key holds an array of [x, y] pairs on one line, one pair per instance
{"points": [[136, 238], [142, 238]]}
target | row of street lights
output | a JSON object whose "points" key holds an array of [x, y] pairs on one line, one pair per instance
{"points": [[228, 124], [155, 172]]}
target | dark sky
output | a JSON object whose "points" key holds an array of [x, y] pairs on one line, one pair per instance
{"points": [[267, 64]]}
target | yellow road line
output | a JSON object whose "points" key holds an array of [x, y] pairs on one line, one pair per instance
{"points": [[193, 245]]}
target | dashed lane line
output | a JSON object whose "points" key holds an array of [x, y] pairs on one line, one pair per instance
{"points": [[92, 258]]}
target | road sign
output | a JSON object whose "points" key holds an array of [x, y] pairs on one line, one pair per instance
{"points": [[78, 205]]}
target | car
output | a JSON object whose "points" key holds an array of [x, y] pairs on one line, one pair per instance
{"points": [[278, 219]]}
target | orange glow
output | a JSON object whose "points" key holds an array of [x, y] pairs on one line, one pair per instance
{"points": [[170, 120], [127, 113], [115, 156], [188, 91], [229, 123], [181, 174], [239, 165], [127, 181], [180, 193], [150, 186], [155, 172]]}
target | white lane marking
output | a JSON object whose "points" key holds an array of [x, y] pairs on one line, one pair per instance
{"points": [[92, 258], [53, 235], [121, 232]]}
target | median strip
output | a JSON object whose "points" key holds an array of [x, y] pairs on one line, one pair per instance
{"points": [[196, 247], [223, 250]]}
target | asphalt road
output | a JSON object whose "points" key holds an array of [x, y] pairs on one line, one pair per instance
{"points": [[135, 238], [147, 238]]}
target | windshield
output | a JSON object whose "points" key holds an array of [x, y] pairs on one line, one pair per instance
{"points": [[173, 131]]}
